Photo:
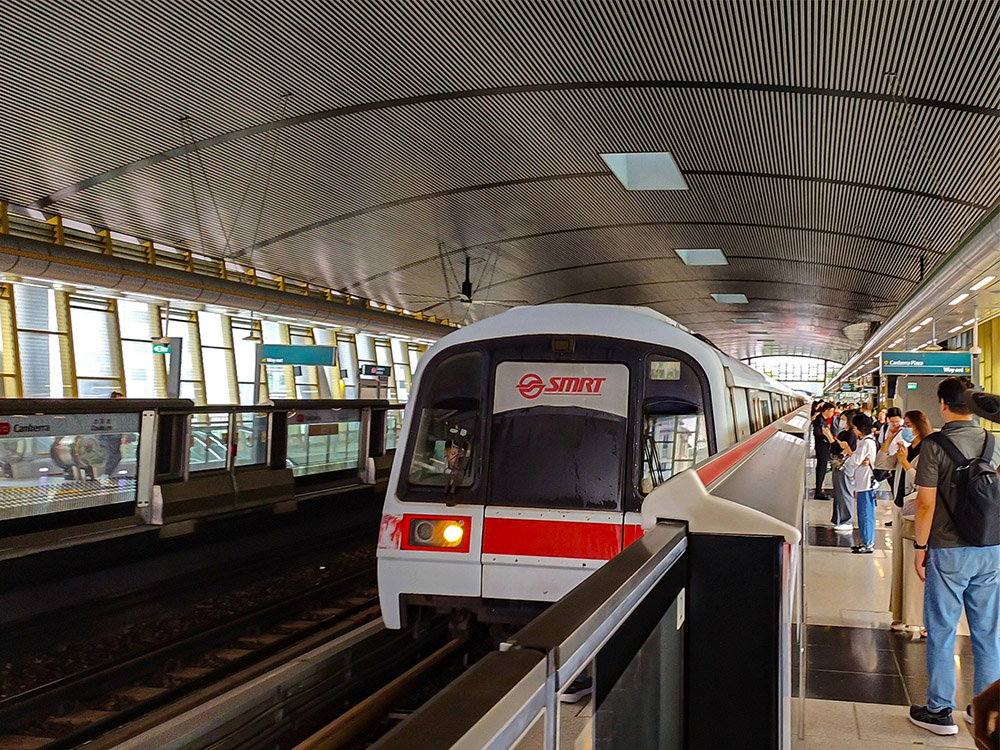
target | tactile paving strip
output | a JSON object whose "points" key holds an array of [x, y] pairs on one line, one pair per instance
{"points": [[21, 502]]}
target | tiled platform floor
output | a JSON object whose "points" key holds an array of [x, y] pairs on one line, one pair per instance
{"points": [[869, 726], [861, 677]]}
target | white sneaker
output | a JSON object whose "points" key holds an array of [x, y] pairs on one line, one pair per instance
{"points": [[844, 527], [577, 691]]}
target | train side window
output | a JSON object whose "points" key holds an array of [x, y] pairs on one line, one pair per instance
{"points": [[444, 448], [674, 426], [762, 409], [741, 413]]}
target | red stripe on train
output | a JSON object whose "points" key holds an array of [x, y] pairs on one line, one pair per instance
{"points": [[719, 466], [540, 538], [591, 540]]}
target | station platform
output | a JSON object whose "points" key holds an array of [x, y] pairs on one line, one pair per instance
{"points": [[860, 676]]}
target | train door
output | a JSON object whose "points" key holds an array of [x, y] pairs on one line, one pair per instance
{"points": [[558, 442]]}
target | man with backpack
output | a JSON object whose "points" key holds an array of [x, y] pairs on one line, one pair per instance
{"points": [[957, 543]]}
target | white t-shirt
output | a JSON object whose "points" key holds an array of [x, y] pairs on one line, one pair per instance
{"points": [[856, 467]]}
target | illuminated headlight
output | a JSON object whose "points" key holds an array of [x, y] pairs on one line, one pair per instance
{"points": [[437, 533], [453, 533]]}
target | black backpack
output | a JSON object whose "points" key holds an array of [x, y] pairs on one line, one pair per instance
{"points": [[976, 514]]}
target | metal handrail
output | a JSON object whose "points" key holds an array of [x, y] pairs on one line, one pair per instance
{"points": [[284, 405], [495, 702], [10, 406]]}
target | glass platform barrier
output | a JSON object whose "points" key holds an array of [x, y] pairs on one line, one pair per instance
{"points": [[65, 462], [624, 625]]}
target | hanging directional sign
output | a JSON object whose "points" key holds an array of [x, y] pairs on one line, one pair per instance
{"points": [[297, 354], [375, 371], [926, 363], [161, 348], [848, 388]]}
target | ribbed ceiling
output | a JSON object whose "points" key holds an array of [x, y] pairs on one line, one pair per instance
{"points": [[832, 150]]}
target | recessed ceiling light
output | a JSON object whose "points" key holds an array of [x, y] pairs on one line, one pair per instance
{"points": [[892, 344], [956, 329], [914, 329], [898, 341], [969, 322], [747, 321], [702, 257], [926, 320], [980, 284], [960, 299], [646, 171], [731, 299]]}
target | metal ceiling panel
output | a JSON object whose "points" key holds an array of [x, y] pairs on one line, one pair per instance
{"points": [[834, 151]]}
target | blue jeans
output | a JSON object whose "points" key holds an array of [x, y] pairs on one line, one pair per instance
{"points": [[866, 517], [969, 575]]}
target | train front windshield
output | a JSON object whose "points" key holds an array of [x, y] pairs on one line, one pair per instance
{"points": [[558, 436]]}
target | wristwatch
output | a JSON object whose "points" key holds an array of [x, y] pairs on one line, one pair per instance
{"points": [[919, 546]]}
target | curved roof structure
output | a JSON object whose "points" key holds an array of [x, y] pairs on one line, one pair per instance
{"points": [[834, 152]]}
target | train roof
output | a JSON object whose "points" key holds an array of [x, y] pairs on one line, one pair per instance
{"points": [[613, 321]]}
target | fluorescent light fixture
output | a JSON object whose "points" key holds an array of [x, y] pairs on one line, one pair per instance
{"points": [[702, 257], [731, 299], [747, 321], [920, 347], [915, 329], [960, 299], [646, 171], [956, 329], [892, 344], [898, 341], [980, 284], [926, 320], [969, 322]]}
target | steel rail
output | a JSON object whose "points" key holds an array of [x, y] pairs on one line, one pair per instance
{"points": [[97, 681]]}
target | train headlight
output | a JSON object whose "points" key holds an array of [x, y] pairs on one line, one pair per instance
{"points": [[453, 533], [436, 533], [423, 531]]}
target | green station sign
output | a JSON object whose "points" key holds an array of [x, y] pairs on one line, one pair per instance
{"points": [[911, 386], [297, 354], [926, 363], [159, 348]]}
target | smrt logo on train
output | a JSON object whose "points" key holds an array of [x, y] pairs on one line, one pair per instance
{"points": [[531, 386]]}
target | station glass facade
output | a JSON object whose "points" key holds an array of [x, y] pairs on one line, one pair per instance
{"points": [[61, 343]]}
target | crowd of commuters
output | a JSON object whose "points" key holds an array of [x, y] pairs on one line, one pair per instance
{"points": [[945, 534]]}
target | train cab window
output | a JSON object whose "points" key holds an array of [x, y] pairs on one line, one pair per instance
{"points": [[444, 450], [674, 426]]}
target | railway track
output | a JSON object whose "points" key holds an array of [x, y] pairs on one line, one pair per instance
{"points": [[83, 706]]}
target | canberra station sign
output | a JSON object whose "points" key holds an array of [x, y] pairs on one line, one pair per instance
{"points": [[926, 363]]}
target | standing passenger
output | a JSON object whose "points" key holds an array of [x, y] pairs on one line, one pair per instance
{"points": [[957, 571], [860, 467], [820, 432], [906, 599], [843, 482]]}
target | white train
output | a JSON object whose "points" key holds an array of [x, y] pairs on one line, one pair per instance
{"points": [[530, 441]]}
